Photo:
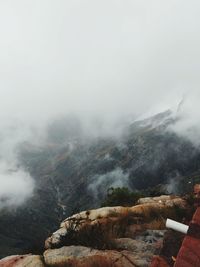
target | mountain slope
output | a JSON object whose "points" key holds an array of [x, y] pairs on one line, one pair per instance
{"points": [[75, 174]]}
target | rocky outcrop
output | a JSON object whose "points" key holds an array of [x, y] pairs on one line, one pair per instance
{"points": [[150, 241], [84, 257], [168, 200], [22, 261], [150, 213], [110, 236]]}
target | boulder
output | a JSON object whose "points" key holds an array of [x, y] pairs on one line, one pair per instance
{"points": [[133, 245], [79, 256], [119, 221], [22, 261], [164, 199], [149, 241]]}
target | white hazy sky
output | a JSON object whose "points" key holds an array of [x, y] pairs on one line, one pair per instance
{"points": [[106, 57], [91, 56]]}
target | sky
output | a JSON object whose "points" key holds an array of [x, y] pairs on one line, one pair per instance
{"points": [[113, 59], [105, 57]]}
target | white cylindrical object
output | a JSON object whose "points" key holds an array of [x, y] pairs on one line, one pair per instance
{"points": [[180, 227]]}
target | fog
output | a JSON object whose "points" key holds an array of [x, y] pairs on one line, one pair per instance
{"points": [[113, 60], [115, 178], [104, 57], [16, 186]]}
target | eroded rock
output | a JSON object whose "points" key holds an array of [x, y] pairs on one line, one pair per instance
{"points": [[149, 241], [22, 261], [119, 221], [80, 256]]}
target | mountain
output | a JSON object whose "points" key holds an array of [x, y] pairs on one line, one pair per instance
{"points": [[73, 172]]}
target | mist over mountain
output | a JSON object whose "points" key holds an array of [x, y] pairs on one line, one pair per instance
{"points": [[144, 147], [72, 172], [104, 64], [93, 95]]}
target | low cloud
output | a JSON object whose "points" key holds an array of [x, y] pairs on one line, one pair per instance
{"points": [[16, 185], [188, 114], [108, 62], [101, 183]]}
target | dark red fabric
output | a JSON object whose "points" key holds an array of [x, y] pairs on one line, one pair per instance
{"points": [[196, 217], [189, 254]]}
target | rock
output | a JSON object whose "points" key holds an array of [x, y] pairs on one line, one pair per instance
{"points": [[22, 261], [151, 236], [56, 237], [149, 240], [110, 236], [130, 245], [119, 221], [95, 214], [161, 199], [79, 256]]}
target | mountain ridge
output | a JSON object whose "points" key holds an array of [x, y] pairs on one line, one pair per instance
{"points": [[141, 158]]}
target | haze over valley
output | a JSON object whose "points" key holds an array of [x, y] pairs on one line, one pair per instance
{"points": [[93, 95]]}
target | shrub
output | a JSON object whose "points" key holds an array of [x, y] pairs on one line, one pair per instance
{"points": [[89, 235], [155, 191], [120, 196]]}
